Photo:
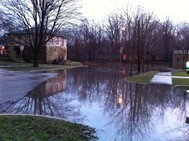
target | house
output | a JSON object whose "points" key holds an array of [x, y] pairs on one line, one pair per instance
{"points": [[19, 48], [179, 58], [56, 48]]}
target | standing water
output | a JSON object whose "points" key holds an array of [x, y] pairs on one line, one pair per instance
{"points": [[101, 98]]}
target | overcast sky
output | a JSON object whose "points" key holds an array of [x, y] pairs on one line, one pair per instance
{"points": [[176, 10]]}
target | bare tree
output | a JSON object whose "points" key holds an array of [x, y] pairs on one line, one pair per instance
{"points": [[41, 19], [8, 23], [183, 41], [147, 26], [167, 30], [79, 43], [140, 27], [87, 41], [113, 32]]}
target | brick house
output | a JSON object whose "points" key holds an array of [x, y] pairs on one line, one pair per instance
{"points": [[19, 48], [56, 48]]}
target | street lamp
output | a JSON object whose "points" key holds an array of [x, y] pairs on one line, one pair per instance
{"points": [[120, 54], [123, 44]]}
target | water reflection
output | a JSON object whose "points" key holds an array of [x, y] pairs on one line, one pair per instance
{"points": [[101, 98], [45, 99]]}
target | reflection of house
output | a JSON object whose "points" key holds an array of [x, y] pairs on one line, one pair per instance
{"points": [[179, 58], [19, 48], [56, 84], [50, 87]]}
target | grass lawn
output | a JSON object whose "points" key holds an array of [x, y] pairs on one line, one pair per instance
{"points": [[180, 81], [143, 78], [29, 66], [147, 76], [180, 73], [34, 128]]}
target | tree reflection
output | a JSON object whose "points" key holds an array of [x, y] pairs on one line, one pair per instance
{"points": [[45, 99], [141, 107], [135, 118], [131, 111], [184, 112]]}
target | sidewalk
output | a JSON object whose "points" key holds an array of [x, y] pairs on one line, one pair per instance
{"points": [[162, 78]]}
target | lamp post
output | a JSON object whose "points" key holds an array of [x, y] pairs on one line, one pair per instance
{"points": [[120, 54], [122, 44]]}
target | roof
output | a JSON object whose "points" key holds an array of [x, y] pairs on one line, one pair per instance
{"points": [[32, 30], [181, 52]]}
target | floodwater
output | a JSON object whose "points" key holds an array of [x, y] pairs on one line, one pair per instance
{"points": [[101, 98]]}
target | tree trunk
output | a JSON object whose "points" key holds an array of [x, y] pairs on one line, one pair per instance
{"points": [[138, 47], [35, 61], [131, 65]]}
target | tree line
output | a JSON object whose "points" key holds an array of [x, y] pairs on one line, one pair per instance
{"points": [[136, 32], [139, 34]]}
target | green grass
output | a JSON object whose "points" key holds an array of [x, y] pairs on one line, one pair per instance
{"points": [[142, 78], [180, 73], [34, 128], [180, 81], [29, 66], [145, 78]]}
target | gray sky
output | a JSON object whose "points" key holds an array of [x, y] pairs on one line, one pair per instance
{"points": [[177, 10]]}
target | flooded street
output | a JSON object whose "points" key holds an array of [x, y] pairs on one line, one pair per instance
{"points": [[101, 98]]}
